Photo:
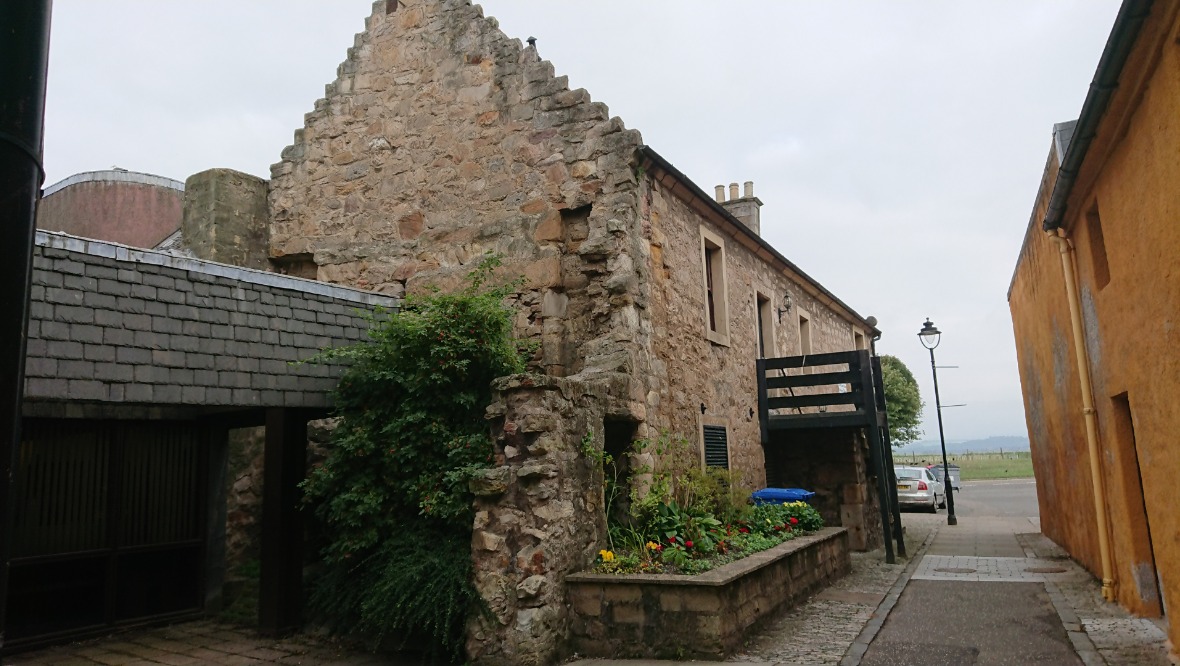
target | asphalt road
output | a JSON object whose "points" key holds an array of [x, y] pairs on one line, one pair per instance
{"points": [[1007, 497]]}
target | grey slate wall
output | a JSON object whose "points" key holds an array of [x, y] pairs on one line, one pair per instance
{"points": [[113, 324]]}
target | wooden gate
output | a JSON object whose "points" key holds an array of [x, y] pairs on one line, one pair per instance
{"points": [[109, 526]]}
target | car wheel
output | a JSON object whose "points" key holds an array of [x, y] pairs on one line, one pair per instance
{"points": [[933, 508]]}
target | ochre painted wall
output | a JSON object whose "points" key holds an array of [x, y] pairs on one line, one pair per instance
{"points": [[1127, 187]]}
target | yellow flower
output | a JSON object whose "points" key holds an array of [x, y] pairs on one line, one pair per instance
{"points": [[606, 555], [652, 545]]}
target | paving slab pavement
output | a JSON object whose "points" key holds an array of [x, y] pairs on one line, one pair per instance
{"points": [[993, 590], [836, 626]]}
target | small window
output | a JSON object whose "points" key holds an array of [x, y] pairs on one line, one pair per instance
{"points": [[716, 442], [765, 327], [1097, 248], [858, 339], [716, 304]]}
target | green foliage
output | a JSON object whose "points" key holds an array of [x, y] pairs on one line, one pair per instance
{"points": [[903, 401], [392, 495], [692, 519]]}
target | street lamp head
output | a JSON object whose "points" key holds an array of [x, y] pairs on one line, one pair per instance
{"points": [[929, 335]]}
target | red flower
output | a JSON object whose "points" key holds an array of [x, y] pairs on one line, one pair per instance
{"points": [[688, 544], [794, 520], [672, 540], [744, 530]]}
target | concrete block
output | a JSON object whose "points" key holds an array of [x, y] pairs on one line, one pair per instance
{"points": [[53, 330], [167, 393], [133, 355], [61, 349], [169, 359], [185, 343], [58, 295], [149, 340], [40, 367], [171, 296], [138, 393], [86, 333], [75, 369], [79, 283], [164, 324], [112, 318], [114, 372], [86, 389], [183, 312], [74, 314], [45, 387], [98, 352], [144, 291], [158, 281]]}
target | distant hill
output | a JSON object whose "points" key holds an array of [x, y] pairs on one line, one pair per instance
{"points": [[997, 443]]}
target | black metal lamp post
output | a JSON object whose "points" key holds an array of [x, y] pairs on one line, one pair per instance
{"points": [[929, 335]]}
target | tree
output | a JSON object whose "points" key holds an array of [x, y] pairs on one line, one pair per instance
{"points": [[903, 401]]}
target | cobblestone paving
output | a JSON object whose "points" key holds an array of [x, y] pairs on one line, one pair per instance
{"points": [[821, 630], [202, 642]]}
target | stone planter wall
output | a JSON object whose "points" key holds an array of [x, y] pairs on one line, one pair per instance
{"points": [[539, 513], [706, 615]]}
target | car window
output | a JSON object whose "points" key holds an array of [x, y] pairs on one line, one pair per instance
{"points": [[903, 473]]}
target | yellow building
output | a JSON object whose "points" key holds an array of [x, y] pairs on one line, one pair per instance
{"points": [[1095, 304]]}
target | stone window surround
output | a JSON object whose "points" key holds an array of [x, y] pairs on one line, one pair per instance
{"points": [[716, 269], [764, 312], [705, 420]]}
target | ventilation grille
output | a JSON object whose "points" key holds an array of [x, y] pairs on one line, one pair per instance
{"points": [[716, 446]]}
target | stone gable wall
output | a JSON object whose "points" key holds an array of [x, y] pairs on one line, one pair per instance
{"points": [[441, 140], [693, 370]]}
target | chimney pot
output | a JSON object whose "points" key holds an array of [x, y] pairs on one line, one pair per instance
{"points": [[749, 189], [733, 191], [720, 194]]}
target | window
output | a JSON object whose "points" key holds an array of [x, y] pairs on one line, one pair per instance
{"points": [[1097, 248], [716, 304], [858, 339], [765, 326], [715, 439]]}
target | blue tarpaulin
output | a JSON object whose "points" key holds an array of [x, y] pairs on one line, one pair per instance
{"points": [[768, 495]]}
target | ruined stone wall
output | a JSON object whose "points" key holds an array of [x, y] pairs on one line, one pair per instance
{"points": [[691, 369], [539, 516], [441, 140]]}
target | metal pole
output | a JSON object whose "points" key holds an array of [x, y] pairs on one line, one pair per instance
{"points": [[24, 50], [946, 468]]}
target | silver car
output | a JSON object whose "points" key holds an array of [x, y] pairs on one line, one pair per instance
{"points": [[917, 487]]}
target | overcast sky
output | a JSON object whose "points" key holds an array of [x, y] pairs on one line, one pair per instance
{"points": [[897, 146]]}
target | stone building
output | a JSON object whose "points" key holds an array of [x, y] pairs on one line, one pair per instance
{"points": [[442, 139], [1093, 302]]}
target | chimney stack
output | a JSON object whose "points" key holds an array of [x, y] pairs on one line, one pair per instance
{"points": [[745, 208]]}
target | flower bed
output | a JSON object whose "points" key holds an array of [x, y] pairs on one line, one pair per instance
{"points": [[704, 615], [679, 542]]}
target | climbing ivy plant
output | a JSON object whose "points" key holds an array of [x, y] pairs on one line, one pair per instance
{"points": [[391, 496]]}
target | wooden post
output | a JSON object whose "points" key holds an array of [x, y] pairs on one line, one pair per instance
{"points": [[876, 450], [280, 600], [894, 504]]}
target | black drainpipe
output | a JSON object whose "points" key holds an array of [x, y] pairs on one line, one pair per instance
{"points": [[24, 52]]}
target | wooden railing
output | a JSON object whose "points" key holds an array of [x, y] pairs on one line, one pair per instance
{"points": [[831, 390]]}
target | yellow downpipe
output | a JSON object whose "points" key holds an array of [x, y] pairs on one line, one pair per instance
{"points": [[1069, 267]]}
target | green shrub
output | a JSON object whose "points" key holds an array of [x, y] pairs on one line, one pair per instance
{"points": [[391, 496]]}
